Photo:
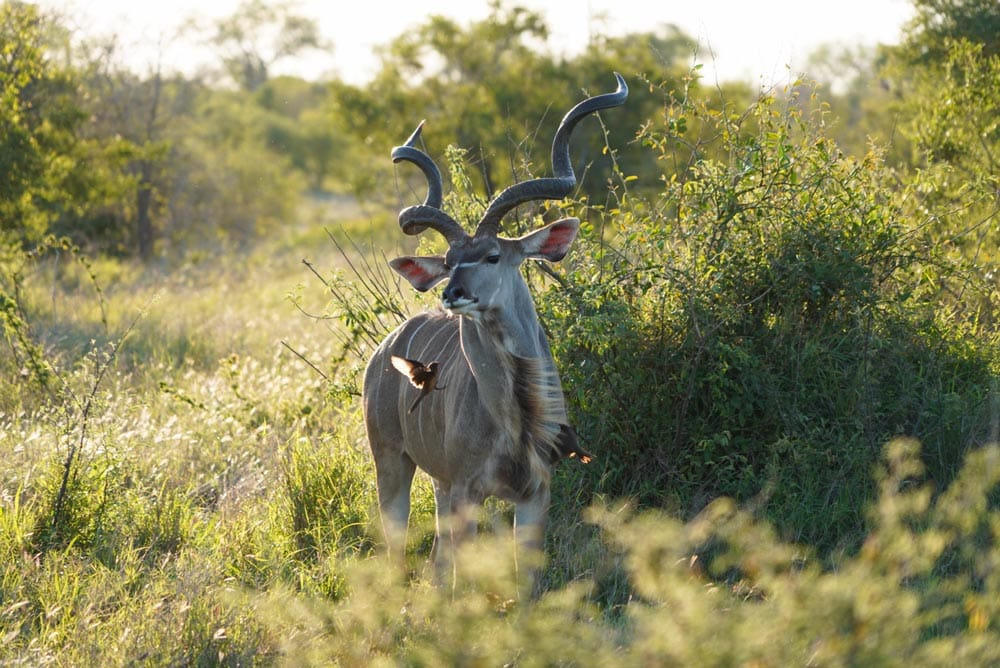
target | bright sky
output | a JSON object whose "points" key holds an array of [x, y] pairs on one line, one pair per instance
{"points": [[755, 40]]}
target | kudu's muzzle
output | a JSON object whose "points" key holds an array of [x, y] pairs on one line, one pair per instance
{"points": [[455, 298]]}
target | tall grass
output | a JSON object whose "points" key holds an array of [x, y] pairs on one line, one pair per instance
{"points": [[209, 458]]}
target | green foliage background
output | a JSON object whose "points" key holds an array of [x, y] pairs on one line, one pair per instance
{"points": [[778, 336], [760, 327]]}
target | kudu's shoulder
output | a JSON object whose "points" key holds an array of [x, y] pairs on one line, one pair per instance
{"points": [[420, 329], [425, 335]]}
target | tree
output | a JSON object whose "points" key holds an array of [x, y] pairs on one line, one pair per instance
{"points": [[946, 73], [863, 108], [663, 80], [939, 21], [258, 35], [141, 114], [203, 165], [489, 88], [305, 126], [466, 81], [224, 183], [955, 126], [38, 120]]}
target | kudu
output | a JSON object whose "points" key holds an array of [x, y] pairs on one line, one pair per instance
{"points": [[499, 425]]}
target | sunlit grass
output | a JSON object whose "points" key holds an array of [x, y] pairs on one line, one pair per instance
{"points": [[211, 457], [220, 509]]}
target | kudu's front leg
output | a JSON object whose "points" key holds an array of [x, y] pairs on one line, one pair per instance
{"points": [[455, 522], [394, 473], [529, 535], [441, 550]]}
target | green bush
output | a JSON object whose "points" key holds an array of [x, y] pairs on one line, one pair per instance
{"points": [[718, 590], [761, 327]]}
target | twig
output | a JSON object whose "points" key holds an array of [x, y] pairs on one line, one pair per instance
{"points": [[303, 358], [550, 272]]}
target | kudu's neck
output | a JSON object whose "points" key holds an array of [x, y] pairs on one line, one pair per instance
{"points": [[511, 326], [509, 356]]}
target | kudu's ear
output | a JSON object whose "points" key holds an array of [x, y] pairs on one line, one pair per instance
{"points": [[423, 273], [552, 241]]}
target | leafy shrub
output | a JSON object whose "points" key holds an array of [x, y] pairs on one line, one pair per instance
{"points": [[720, 589], [761, 326]]}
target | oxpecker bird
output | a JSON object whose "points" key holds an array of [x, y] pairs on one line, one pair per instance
{"points": [[422, 376]]}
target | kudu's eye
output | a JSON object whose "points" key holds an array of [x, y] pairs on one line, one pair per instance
{"points": [[493, 259]]}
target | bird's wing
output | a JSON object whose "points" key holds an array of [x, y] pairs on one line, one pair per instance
{"points": [[403, 365], [409, 368]]}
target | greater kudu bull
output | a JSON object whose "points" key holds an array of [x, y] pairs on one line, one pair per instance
{"points": [[499, 424]]}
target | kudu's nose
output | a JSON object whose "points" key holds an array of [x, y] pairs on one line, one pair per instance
{"points": [[453, 293]]}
